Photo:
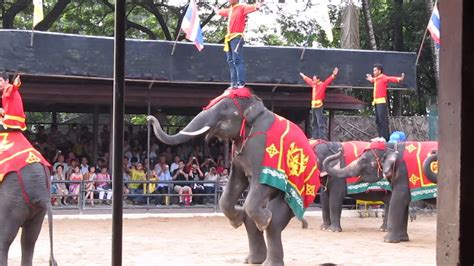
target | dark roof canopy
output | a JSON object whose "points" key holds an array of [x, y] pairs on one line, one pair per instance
{"points": [[72, 72]]}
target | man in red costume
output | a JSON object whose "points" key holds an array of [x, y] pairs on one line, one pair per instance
{"points": [[381, 81], [12, 116], [234, 39], [317, 98]]}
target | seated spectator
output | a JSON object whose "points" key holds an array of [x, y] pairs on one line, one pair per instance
{"points": [[220, 164], [183, 188], [151, 188], [163, 188], [90, 178], [209, 188], [60, 188], [71, 167], [75, 188], [70, 156], [84, 165], [223, 179], [104, 185], [207, 164], [100, 163], [137, 173], [59, 160], [174, 164], [197, 188]]}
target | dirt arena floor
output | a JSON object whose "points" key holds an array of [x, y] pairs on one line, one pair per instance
{"points": [[212, 241]]}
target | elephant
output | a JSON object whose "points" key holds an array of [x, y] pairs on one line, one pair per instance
{"points": [[25, 196], [400, 163], [336, 189], [240, 116], [430, 167]]}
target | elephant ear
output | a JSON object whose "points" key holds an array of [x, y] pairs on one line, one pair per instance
{"points": [[389, 164], [253, 111]]}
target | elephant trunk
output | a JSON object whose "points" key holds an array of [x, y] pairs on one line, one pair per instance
{"points": [[195, 128], [353, 169]]}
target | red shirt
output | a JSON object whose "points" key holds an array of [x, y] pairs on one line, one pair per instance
{"points": [[380, 87], [13, 107], [318, 90], [237, 15]]}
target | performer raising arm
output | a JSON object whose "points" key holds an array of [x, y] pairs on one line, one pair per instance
{"points": [[12, 114]]}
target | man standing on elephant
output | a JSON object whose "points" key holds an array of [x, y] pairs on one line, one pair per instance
{"points": [[317, 97], [12, 115], [381, 81], [234, 39]]}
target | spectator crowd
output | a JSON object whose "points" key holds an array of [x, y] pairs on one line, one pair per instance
{"points": [[185, 171]]}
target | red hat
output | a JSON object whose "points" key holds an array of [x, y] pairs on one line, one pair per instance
{"points": [[379, 145]]}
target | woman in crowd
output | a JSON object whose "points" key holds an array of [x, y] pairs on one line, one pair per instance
{"points": [[90, 178], [60, 188], [103, 185], [137, 173], [75, 188]]}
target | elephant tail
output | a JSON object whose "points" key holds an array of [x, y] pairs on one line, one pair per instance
{"points": [[52, 261]]}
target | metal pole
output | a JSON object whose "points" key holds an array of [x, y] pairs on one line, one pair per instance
{"points": [[148, 139], [117, 132]]}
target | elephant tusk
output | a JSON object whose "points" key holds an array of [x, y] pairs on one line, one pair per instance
{"points": [[196, 133]]}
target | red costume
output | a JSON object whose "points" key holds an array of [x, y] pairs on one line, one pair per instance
{"points": [[380, 87], [318, 90], [14, 116], [236, 23]]}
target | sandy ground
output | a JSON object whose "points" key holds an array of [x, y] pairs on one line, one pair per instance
{"points": [[212, 241]]}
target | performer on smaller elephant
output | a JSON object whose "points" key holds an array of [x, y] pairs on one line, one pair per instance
{"points": [[12, 115], [234, 39], [317, 98], [381, 81]]}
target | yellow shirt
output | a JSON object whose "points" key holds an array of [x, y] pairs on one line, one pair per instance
{"points": [[136, 176]]}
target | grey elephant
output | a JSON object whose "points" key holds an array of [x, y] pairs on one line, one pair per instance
{"points": [[336, 189], [430, 167], [25, 196], [269, 152], [401, 164]]}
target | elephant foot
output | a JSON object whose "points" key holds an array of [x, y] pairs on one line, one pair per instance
{"points": [[255, 258], [334, 228], [237, 220], [325, 227], [304, 223], [273, 262], [383, 228], [264, 221], [390, 238]]}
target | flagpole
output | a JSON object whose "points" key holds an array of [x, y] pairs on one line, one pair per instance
{"points": [[176, 41], [424, 36]]}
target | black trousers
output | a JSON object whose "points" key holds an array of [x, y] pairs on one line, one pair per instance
{"points": [[381, 120], [319, 124]]}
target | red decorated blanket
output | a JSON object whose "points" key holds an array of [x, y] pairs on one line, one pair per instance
{"points": [[289, 164], [16, 152], [414, 155], [352, 150]]}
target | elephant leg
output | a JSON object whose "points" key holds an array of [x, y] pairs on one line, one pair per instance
{"points": [[336, 199], [325, 207], [386, 202], [8, 230], [29, 235], [255, 204], [257, 247], [398, 217], [404, 232], [236, 185], [282, 215]]}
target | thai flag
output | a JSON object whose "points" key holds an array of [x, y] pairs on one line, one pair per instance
{"points": [[191, 25], [434, 26]]}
